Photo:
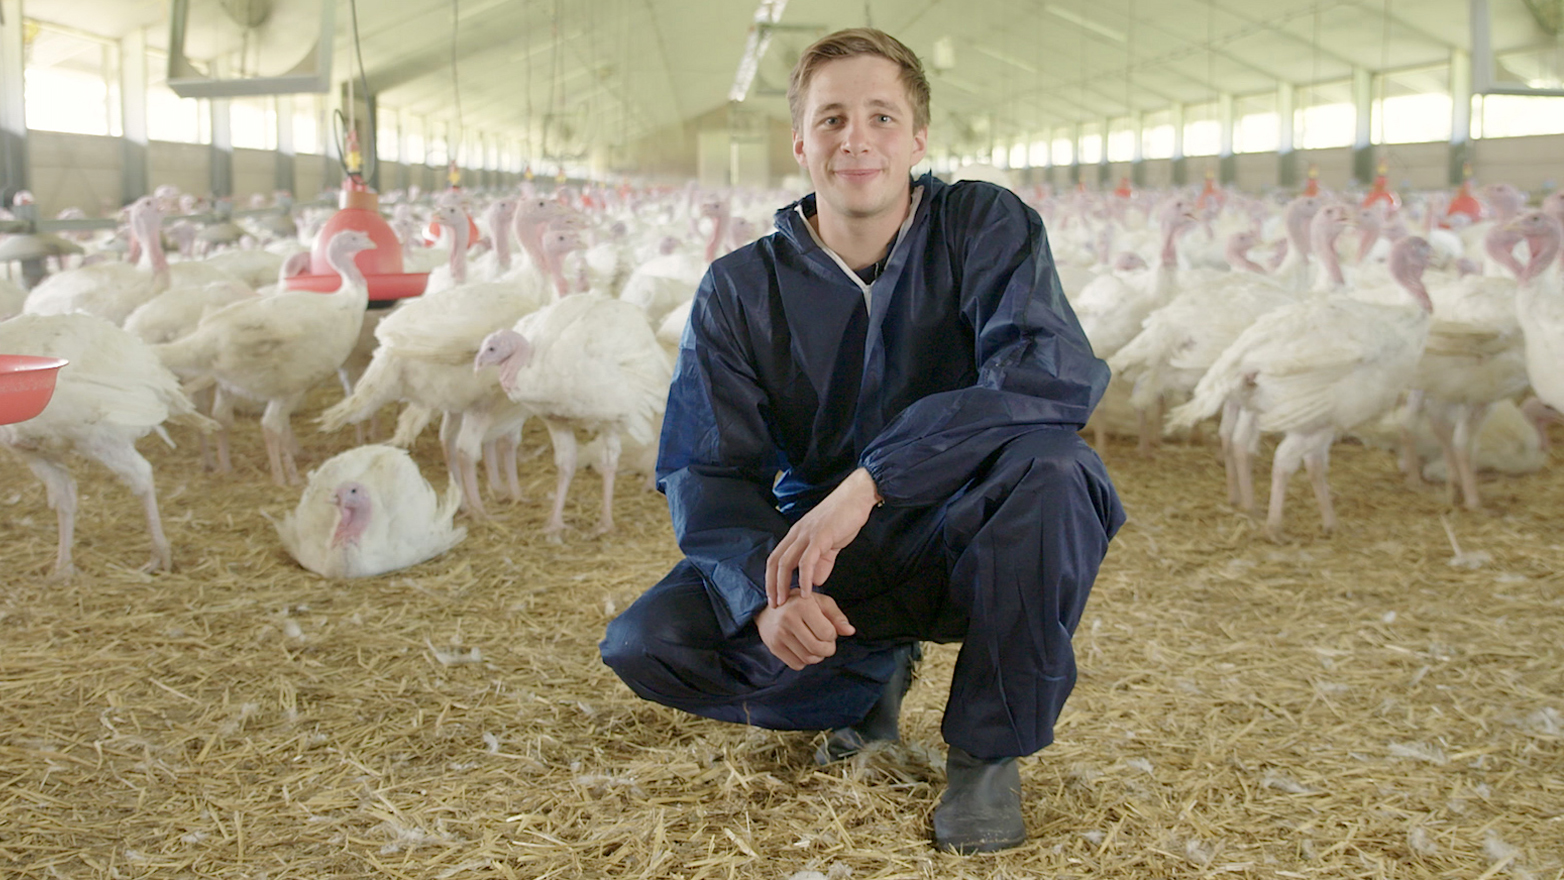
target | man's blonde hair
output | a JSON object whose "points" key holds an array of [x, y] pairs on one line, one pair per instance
{"points": [[851, 43]]}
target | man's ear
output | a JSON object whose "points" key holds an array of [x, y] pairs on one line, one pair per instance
{"points": [[920, 141], [798, 150]]}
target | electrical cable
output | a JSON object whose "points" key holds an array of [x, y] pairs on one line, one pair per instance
{"points": [[456, 88], [339, 120]]}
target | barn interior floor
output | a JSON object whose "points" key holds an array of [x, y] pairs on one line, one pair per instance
{"points": [[1374, 704]]}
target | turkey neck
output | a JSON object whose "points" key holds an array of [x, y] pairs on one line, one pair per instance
{"points": [[718, 233], [1544, 249], [499, 230], [148, 230], [1499, 245], [1324, 240], [1238, 258], [344, 264], [1170, 228], [1297, 257], [459, 250], [352, 520], [556, 270], [1555, 209], [1411, 280], [530, 233]]}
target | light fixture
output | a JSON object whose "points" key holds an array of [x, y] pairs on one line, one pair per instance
{"points": [[768, 13]]}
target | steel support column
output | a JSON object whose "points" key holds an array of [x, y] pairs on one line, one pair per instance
{"points": [[15, 165], [134, 179], [1363, 130], [283, 176], [1286, 156], [1460, 113]]}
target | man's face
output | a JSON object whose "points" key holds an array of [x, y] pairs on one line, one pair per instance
{"points": [[857, 138]]}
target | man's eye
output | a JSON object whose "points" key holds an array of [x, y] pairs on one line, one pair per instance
{"points": [[884, 118]]}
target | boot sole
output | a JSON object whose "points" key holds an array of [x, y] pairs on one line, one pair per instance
{"points": [[975, 847]]}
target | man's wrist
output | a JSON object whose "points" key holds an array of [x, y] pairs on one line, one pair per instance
{"points": [[867, 488]]}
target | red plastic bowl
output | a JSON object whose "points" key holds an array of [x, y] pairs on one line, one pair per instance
{"points": [[381, 287], [381, 265], [26, 384]]}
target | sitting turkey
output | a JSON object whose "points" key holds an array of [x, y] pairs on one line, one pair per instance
{"points": [[369, 511]]}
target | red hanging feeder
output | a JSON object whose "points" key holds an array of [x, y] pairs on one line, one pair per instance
{"points": [[382, 265], [1312, 188], [1464, 202], [1210, 194], [26, 385], [1381, 191], [1124, 190]]}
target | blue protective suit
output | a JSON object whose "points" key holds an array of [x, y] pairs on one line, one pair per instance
{"points": [[960, 386]]}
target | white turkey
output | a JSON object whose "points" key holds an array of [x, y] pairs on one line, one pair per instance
{"points": [[276, 348], [254, 267], [1475, 358], [112, 393], [113, 290], [177, 312], [663, 283], [369, 511], [1180, 341], [1539, 306], [1311, 371], [1111, 309], [492, 265], [586, 361], [425, 356]]}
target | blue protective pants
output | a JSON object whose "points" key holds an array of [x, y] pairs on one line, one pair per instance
{"points": [[1004, 567]]}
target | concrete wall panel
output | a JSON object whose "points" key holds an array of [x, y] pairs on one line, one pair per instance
{"points": [[75, 170]]}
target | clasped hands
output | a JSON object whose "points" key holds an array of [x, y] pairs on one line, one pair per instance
{"points": [[799, 625]]}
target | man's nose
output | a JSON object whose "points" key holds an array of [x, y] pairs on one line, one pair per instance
{"points": [[854, 136]]}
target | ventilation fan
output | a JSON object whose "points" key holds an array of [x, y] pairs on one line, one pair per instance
{"points": [[250, 47]]}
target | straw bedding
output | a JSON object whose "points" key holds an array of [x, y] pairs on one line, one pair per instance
{"points": [[1373, 705]]}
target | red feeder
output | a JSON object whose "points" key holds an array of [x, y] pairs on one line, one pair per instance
{"points": [[1124, 190], [1381, 191], [1210, 194], [1465, 203], [26, 384], [1312, 188], [382, 266]]}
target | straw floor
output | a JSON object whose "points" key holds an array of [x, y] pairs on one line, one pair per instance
{"points": [[1367, 706]]}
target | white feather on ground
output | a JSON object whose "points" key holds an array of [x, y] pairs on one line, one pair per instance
{"points": [[396, 518]]}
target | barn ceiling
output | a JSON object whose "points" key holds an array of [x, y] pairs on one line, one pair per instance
{"points": [[616, 71]]}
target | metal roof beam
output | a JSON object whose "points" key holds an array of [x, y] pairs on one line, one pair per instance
{"points": [[1189, 49], [478, 36], [1401, 22], [1283, 32]]}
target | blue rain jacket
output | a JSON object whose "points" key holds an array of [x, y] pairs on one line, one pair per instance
{"points": [[783, 370]]}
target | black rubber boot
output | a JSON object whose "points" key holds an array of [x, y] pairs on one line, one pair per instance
{"points": [[882, 724], [981, 809]]}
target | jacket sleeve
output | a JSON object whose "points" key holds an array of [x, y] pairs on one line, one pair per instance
{"points": [[717, 463], [1035, 366]]}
